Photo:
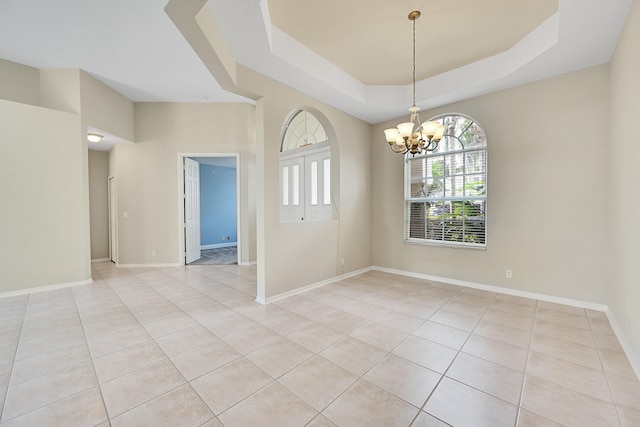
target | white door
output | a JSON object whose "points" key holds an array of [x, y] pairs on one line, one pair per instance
{"points": [[113, 216], [192, 210]]}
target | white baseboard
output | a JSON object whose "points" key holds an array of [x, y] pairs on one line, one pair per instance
{"points": [[45, 288], [283, 295], [100, 260], [498, 289], [248, 263], [219, 245]]}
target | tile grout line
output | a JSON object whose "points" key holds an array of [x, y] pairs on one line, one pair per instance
{"points": [[4, 402], [526, 364], [604, 371], [186, 382], [95, 373]]}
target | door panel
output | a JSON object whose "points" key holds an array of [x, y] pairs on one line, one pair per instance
{"points": [[192, 210]]}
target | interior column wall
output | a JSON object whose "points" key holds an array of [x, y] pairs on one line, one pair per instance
{"points": [[623, 252]]}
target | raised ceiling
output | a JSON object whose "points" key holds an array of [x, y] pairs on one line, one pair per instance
{"points": [[353, 55], [372, 40]]}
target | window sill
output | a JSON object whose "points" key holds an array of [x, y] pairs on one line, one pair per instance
{"points": [[436, 243]]}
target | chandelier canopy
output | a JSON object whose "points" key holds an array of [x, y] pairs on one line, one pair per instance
{"points": [[412, 136]]}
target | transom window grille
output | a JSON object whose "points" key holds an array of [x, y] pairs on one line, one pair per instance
{"points": [[446, 190], [305, 170], [303, 130]]}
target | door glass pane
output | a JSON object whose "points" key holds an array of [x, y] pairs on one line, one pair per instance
{"points": [[327, 181], [295, 185], [314, 183], [285, 186]]}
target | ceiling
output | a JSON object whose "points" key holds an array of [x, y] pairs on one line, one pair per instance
{"points": [[353, 55], [449, 34]]}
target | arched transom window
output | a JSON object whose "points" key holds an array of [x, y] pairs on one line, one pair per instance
{"points": [[446, 189], [302, 130]]}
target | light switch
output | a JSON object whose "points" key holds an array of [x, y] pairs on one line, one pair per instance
{"points": [[125, 214]]}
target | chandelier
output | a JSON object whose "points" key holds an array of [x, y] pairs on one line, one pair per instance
{"points": [[411, 136]]}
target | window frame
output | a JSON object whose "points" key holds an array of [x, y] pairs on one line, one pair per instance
{"points": [[479, 203]]}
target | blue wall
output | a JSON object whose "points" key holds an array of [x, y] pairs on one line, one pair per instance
{"points": [[218, 211]]}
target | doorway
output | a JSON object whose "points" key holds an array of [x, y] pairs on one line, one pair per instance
{"points": [[209, 208]]}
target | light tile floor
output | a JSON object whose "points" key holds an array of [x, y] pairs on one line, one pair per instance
{"points": [[190, 347]]}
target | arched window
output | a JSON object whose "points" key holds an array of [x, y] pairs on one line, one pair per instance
{"points": [[446, 189], [305, 170]]}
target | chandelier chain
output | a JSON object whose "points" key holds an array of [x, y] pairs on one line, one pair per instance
{"points": [[412, 136], [414, 62]]}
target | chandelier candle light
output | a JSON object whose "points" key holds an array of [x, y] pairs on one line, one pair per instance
{"points": [[412, 136]]}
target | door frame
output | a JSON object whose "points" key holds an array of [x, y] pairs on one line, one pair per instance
{"points": [[112, 201], [180, 201]]}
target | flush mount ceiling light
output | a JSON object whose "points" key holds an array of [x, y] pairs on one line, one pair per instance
{"points": [[412, 136], [94, 137]]}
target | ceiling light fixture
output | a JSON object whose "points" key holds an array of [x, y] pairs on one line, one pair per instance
{"points": [[94, 137], [412, 136]]}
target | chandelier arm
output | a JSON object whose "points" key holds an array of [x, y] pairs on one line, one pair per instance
{"points": [[432, 146], [402, 149]]}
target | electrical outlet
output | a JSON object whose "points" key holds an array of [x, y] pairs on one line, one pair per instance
{"points": [[221, 237], [228, 237], [508, 274], [342, 262], [153, 253]]}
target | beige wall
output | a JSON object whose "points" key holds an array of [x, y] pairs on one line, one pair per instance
{"points": [[47, 143], [60, 89], [19, 83], [105, 109], [623, 281], [44, 235], [98, 203], [293, 255], [147, 174], [546, 192]]}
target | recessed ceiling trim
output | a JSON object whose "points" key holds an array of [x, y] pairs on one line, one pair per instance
{"points": [[541, 39], [491, 69], [546, 51]]}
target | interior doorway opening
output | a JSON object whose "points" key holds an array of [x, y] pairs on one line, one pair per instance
{"points": [[209, 208]]}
